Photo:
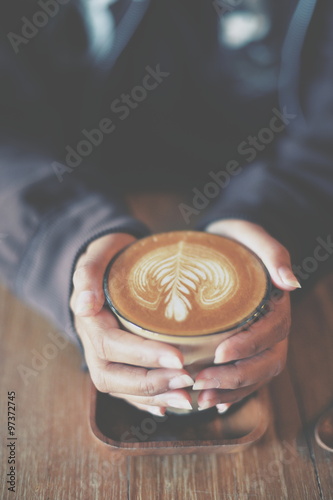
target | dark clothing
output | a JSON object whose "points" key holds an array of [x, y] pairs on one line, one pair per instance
{"points": [[70, 144]]}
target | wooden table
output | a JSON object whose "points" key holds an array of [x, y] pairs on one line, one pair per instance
{"points": [[58, 458]]}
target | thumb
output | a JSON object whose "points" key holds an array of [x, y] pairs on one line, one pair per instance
{"points": [[88, 295], [276, 259], [274, 255]]}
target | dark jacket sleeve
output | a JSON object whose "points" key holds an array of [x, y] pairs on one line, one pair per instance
{"points": [[45, 224], [291, 194]]}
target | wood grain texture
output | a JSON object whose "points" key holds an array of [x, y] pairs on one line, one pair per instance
{"points": [[59, 458], [312, 373]]}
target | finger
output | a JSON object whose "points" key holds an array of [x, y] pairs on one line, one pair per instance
{"points": [[222, 408], [154, 410], [245, 372], [112, 344], [265, 333], [224, 399], [88, 297], [135, 381], [274, 255], [176, 399]]}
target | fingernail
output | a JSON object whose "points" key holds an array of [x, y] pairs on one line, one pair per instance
{"points": [[170, 362], [220, 357], [156, 411], [180, 382], [222, 408], [181, 404], [211, 383], [288, 277], [85, 302], [206, 404]]}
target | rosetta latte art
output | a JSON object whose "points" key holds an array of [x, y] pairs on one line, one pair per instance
{"points": [[181, 273]]}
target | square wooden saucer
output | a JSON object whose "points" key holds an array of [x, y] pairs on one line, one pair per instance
{"points": [[130, 431]]}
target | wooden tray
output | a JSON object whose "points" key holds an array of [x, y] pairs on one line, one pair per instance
{"points": [[133, 432]]}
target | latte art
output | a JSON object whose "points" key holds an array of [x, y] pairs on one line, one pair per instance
{"points": [[185, 283], [180, 273]]}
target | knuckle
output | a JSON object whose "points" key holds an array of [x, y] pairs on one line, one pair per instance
{"points": [[99, 381], [232, 349], [283, 328], [238, 382], [253, 347], [237, 379], [280, 364], [147, 387], [72, 302], [80, 274], [278, 368], [142, 358], [85, 271], [101, 347], [151, 401], [283, 252]]}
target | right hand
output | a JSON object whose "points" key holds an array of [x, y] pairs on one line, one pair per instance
{"points": [[146, 373]]}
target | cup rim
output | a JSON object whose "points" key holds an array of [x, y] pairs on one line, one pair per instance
{"points": [[257, 312]]}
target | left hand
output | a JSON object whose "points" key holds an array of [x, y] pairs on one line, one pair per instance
{"points": [[251, 358]]}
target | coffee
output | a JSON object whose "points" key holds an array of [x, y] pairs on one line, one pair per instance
{"points": [[189, 289], [185, 284]]}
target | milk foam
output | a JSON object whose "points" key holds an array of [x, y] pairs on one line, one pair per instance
{"points": [[181, 273]]}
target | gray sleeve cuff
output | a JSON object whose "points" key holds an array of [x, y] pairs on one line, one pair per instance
{"points": [[44, 279]]}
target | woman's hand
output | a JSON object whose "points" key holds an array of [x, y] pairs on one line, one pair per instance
{"points": [[251, 358], [146, 373]]}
